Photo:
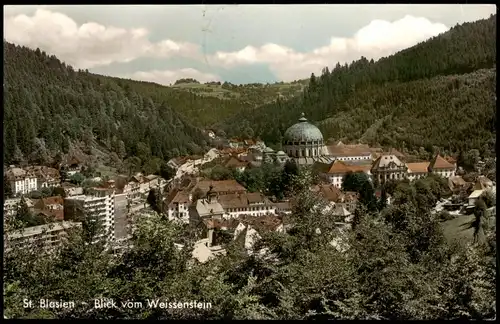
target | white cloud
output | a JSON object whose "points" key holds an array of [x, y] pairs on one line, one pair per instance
{"points": [[90, 44], [377, 39], [167, 77]]}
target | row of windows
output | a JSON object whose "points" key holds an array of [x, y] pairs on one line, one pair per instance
{"points": [[231, 210], [304, 143], [304, 153], [354, 158]]}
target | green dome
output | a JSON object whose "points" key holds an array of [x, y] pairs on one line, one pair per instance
{"points": [[303, 131]]}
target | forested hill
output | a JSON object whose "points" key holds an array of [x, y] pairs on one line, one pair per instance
{"points": [[426, 95], [48, 107]]}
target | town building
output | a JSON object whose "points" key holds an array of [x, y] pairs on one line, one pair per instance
{"points": [[283, 207], [121, 222], [207, 207], [248, 228], [456, 183], [46, 177], [389, 167], [177, 204], [337, 197], [221, 187], [474, 197], [281, 157], [338, 169], [304, 143], [10, 205], [343, 152], [236, 164], [483, 183], [98, 203], [440, 166], [72, 165], [417, 170], [51, 206], [236, 142], [254, 204], [21, 181], [268, 155], [48, 235], [71, 189]]}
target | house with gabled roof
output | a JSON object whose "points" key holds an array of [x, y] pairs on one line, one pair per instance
{"points": [[389, 167], [339, 168], [440, 166], [235, 163], [50, 206], [417, 170]]}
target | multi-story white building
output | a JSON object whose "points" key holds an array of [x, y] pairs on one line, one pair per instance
{"points": [[49, 235], [99, 203], [254, 204], [10, 206], [417, 170], [20, 181], [178, 206], [337, 170], [46, 177], [440, 166]]}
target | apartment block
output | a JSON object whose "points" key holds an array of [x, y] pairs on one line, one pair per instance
{"points": [[48, 235], [98, 203]]}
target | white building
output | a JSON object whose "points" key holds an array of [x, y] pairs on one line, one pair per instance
{"points": [[338, 169], [442, 167], [417, 170], [100, 204], [178, 207], [20, 181], [46, 177], [474, 196], [49, 235], [254, 204], [343, 152]]}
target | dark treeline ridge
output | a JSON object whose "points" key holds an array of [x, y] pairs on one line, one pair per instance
{"points": [[430, 95], [48, 105]]}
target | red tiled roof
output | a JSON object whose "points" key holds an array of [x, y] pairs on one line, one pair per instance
{"points": [[440, 163], [450, 159], [220, 186], [56, 214], [234, 162], [243, 200], [341, 150], [340, 167], [330, 192], [418, 167], [181, 197]]}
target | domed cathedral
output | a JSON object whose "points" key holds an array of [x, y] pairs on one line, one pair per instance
{"points": [[303, 142]]}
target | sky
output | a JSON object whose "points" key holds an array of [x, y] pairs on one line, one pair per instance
{"points": [[233, 43]]}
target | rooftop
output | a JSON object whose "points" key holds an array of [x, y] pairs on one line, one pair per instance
{"points": [[243, 200], [418, 167], [440, 163], [220, 186], [303, 131], [386, 160], [34, 230], [476, 193]]}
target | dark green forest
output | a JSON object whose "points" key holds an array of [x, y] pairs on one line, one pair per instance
{"points": [[432, 94], [48, 107]]}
